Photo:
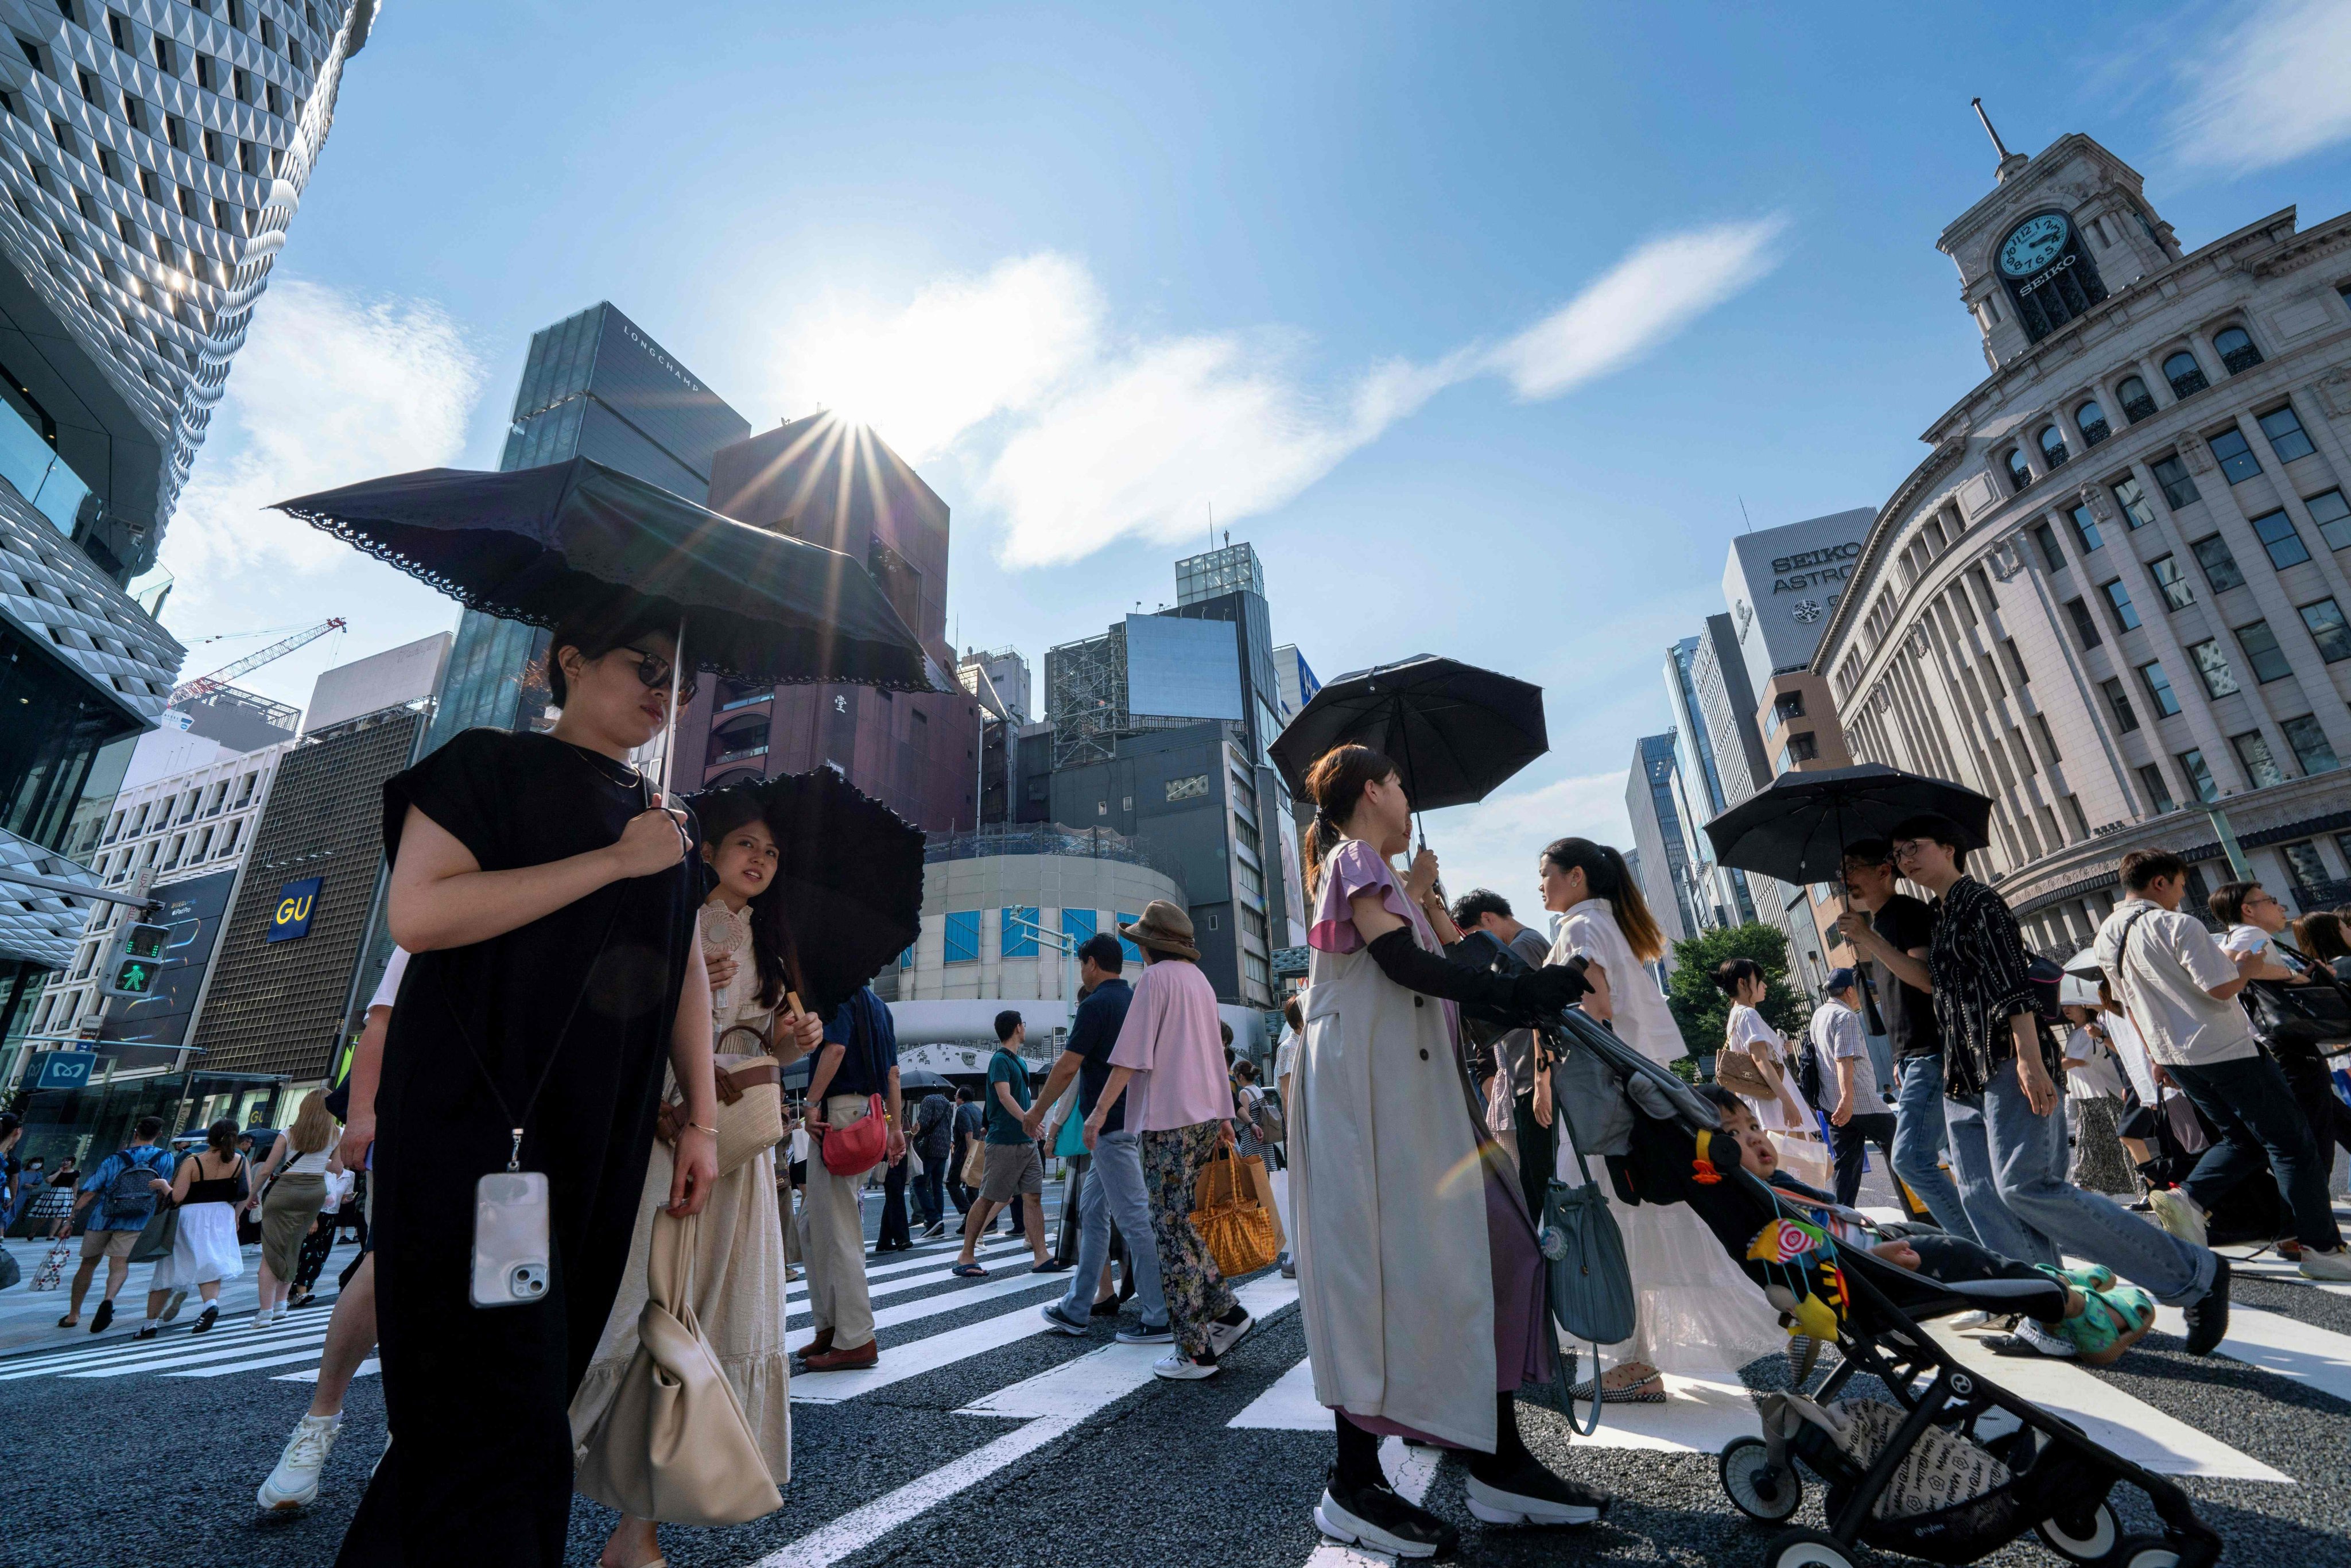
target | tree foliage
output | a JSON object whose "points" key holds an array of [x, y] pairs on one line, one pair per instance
{"points": [[1700, 1006]]}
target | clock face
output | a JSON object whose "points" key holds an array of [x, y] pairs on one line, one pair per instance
{"points": [[2033, 244]]}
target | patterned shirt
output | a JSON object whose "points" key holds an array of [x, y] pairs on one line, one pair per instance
{"points": [[1982, 978]]}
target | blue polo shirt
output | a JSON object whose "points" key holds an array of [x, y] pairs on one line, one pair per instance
{"points": [[862, 1025], [152, 1157]]}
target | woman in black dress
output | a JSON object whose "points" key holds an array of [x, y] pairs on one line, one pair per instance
{"points": [[548, 901]]}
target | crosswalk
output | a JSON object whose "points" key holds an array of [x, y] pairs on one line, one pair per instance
{"points": [[932, 1322]]}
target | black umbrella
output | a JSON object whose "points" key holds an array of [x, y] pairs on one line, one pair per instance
{"points": [[910, 1079], [850, 875], [539, 544], [1454, 731], [1797, 828]]}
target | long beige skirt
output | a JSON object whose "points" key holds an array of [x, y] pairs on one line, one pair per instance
{"points": [[738, 1295]]}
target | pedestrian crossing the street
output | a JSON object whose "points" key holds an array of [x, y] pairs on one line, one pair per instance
{"points": [[1016, 1392]]}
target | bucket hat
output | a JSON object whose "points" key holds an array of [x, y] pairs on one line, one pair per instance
{"points": [[1165, 929]]}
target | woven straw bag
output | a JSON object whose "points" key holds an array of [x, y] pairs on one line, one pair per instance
{"points": [[1233, 1225]]}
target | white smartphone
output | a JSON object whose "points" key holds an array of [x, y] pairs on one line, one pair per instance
{"points": [[510, 1246]]}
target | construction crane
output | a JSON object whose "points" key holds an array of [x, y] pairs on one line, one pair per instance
{"points": [[204, 685]]}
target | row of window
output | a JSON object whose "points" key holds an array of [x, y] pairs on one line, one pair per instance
{"points": [[192, 804], [2229, 448], [2255, 757], [187, 848], [1017, 928], [2181, 369]]}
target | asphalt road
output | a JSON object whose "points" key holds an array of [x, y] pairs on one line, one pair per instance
{"points": [[981, 1440]]}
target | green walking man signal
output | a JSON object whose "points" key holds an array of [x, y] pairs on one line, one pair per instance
{"points": [[138, 960]]}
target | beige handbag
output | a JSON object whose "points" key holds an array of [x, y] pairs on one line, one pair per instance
{"points": [[750, 1110], [975, 1164], [673, 1444]]}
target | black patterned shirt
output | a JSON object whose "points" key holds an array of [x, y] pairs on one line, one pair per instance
{"points": [[1982, 978]]}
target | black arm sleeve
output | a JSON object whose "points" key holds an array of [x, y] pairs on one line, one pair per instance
{"points": [[1524, 996]]}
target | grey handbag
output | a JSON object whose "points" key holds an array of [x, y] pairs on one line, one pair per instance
{"points": [[1590, 1282]]}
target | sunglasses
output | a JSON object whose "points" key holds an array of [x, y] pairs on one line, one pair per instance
{"points": [[652, 670]]}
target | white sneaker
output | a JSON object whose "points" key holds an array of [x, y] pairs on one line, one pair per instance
{"points": [[1222, 1337], [172, 1307], [295, 1482], [1181, 1369], [2334, 1265], [1967, 1323], [2176, 1213]]}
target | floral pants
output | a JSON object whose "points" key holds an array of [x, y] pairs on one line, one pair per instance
{"points": [[1195, 1290]]}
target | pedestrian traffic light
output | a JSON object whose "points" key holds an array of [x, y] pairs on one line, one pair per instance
{"points": [[139, 961]]}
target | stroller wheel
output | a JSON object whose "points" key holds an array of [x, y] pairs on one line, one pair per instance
{"points": [[2145, 1552], [1811, 1549], [1752, 1487], [2091, 1540]]}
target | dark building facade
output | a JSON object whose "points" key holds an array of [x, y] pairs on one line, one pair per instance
{"points": [[838, 485], [593, 385], [286, 1007]]}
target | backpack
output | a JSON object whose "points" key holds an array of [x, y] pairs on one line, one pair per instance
{"points": [[128, 1196], [1812, 1073]]}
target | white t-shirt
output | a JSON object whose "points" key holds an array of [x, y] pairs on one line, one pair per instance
{"points": [[1285, 1056], [1746, 1031], [2164, 980], [1637, 1009], [2097, 1075], [388, 992]]}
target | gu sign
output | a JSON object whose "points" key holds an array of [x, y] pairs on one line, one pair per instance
{"points": [[291, 918]]}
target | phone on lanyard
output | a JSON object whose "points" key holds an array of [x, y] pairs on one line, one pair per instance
{"points": [[511, 1263]]}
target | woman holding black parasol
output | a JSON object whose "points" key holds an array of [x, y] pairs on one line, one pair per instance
{"points": [[544, 891], [738, 1269]]}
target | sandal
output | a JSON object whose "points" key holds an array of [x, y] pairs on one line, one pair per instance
{"points": [[969, 1271]]}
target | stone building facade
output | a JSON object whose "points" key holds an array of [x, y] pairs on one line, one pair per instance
{"points": [[2115, 593]]}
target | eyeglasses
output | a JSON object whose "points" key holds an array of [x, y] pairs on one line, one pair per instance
{"points": [[1909, 849], [653, 670], [2253, 898]]}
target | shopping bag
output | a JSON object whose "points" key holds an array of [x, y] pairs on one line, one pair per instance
{"points": [[53, 1267], [1254, 1184], [975, 1164], [1806, 1159], [1238, 1231]]}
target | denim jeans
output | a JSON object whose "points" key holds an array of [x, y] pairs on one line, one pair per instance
{"points": [[930, 1201], [2249, 1103], [1112, 1194], [2012, 1165], [1918, 1143]]}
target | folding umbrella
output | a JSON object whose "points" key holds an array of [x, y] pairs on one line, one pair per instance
{"points": [[849, 875], [1454, 731], [1796, 829], [538, 545]]}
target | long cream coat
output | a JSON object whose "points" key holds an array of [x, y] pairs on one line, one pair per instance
{"points": [[1394, 1279]]}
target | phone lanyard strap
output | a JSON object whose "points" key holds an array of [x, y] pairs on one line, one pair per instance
{"points": [[514, 1154]]}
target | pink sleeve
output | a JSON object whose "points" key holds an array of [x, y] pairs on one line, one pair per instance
{"points": [[1354, 869], [1132, 1048]]}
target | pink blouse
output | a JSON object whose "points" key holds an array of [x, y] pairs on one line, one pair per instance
{"points": [[1355, 867], [1170, 1040]]}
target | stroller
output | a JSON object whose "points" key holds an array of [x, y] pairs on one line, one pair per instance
{"points": [[1937, 1476]]}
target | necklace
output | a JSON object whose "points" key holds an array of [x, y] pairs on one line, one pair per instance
{"points": [[596, 762]]}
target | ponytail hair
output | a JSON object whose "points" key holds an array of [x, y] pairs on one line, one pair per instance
{"points": [[1335, 784], [1607, 875], [220, 1137]]}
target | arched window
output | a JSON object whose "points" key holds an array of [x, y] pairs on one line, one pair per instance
{"points": [[2091, 420], [2236, 350], [2052, 446], [2186, 376], [2136, 402], [738, 739], [2018, 473]]}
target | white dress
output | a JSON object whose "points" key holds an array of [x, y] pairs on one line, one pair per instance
{"points": [[1698, 1314], [1747, 1029], [204, 1250]]}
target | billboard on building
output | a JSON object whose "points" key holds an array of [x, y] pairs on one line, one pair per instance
{"points": [[1177, 668], [193, 913]]}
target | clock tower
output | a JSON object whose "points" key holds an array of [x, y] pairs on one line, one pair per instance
{"points": [[2058, 232]]}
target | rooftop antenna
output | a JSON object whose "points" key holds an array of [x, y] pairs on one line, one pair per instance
{"points": [[1742, 513], [2009, 161], [1212, 525]]}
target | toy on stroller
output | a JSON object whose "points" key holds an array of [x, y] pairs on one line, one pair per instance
{"points": [[1957, 1467]]}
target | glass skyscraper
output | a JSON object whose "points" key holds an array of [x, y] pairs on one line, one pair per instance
{"points": [[594, 385]]}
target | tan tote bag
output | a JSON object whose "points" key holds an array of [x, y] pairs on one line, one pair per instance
{"points": [[673, 1444]]}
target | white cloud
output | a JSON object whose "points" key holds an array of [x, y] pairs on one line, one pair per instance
{"points": [[1082, 435], [1637, 304], [1494, 843], [328, 390], [961, 351], [2266, 87]]}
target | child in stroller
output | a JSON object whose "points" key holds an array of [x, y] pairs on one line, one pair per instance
{"points": [[1957, 1467]]}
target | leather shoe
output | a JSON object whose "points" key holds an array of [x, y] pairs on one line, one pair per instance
{"points": [[865, 1354], [819, 1345]]}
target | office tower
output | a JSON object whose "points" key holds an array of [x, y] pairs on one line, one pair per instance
{"points": [[593, 385], [1652, 802], [839, 485], [157, 153]]}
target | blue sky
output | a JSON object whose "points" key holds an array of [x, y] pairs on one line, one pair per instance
{"points": [[1479, 323]]}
